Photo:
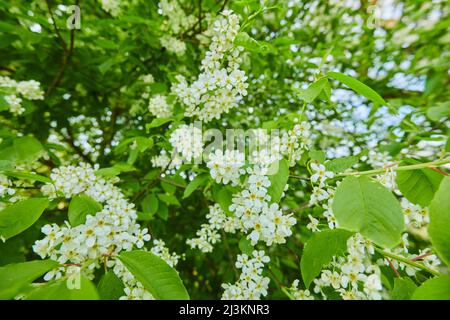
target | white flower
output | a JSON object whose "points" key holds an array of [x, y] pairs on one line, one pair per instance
{"points": [[320, 174], [226, 167], [159, 107], [251, 284], [173, 45], [187, 141], [14, 103], [216, 90], [313, 224], [30, 90]]}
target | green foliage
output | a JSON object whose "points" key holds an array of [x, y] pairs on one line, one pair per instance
{"points": [[313, 91], [403, 289], [418, 186], [162, 281], [278, 179], [81, 206], [14, 277], [341, 164], [359, 87], [434, 289], [20, 216], [61, 290], [320, 250], [439, 228], [364, 206], [110, 287], [366, 96]]}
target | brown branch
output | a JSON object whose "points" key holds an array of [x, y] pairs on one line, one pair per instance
{"points": [[393, 268], [200, 15], [171, 182], [58, 34], [440, 171], [421, 256], [66, 57], [7, 69]]}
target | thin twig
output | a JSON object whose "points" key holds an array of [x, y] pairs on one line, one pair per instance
{"points": [[393, 268], [58, 34], [66, 56]]}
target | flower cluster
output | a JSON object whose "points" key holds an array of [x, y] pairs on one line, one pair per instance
{"points": [[173, 45], [177, 18], [112, 7], [163, 161], [266, 149], [187, 141], [225, 167], [147, 78], [320, 174], [251, 284], [159, 107], [159, 248], [216, 89], [415, 216], [299, 294], [177, 22], [102, 236], [29, 90], [295, 141], [353, 276], [5, 186], [262, 220], [208, 234]]}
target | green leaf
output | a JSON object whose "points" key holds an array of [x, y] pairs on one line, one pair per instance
{"points": [[65, 290], [364, 206], [252, 45], [27, 176], [194, 184], [150, 204], [143, 143], [27, 148], [278, 179], [418, 186], [438, 112], [161, 280], [163, 211], [439, 228], [20, 216], [110, 287], [81, 206], [246, 246], [6, 165], [169, 199], [403, 289], [341, 164], [313, 91], [115, 170], [14, 277], [157, 122], [434, 289], [320, 250], [317, 155], [359, 87], [223, 196]]}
